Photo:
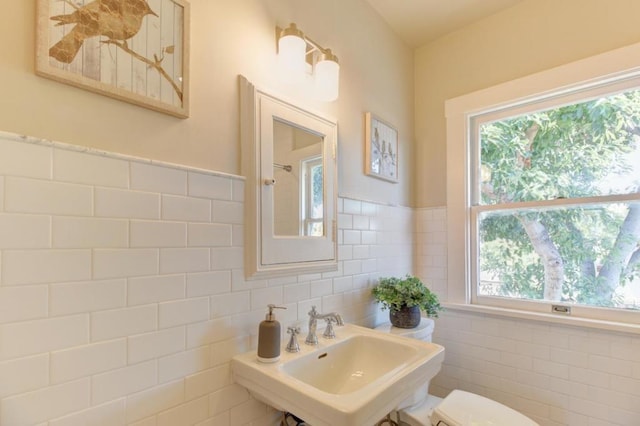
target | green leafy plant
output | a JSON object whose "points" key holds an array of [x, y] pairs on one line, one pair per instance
{"points": [[395, 293]]}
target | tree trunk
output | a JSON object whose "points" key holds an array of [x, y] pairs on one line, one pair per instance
{"points": [[588, 266], [619, 256], [550, 256], [633, 261]]}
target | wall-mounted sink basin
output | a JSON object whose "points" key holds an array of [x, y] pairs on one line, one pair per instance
{"points": [[353, 380], [351, 364]]}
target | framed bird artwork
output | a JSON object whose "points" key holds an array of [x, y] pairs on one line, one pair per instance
{"points": [[133, 50], [381, 149]]}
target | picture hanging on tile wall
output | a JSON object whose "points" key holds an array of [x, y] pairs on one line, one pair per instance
{"points": [[133, 50], [381, 149]]}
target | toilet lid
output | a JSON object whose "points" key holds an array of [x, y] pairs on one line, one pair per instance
{"points": [[423, 331], [461, 408]]}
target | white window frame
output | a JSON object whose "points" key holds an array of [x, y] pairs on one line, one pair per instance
{"points": [[306, 193], [595, 76]]}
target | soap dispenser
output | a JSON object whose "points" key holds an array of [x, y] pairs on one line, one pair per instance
{"points": [[269, 337]]}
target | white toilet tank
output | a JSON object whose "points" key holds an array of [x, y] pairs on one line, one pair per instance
{"points": [[424, 330], [459, 408]]}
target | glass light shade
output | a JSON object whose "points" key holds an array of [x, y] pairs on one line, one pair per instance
{"points": [[292, 51], [327, 78]]}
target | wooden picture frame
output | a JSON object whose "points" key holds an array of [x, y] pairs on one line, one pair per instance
{"points": [[134, 50], [381, 149]]}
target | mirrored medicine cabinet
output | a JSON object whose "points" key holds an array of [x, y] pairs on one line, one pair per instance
{"points": [[289, 161]]}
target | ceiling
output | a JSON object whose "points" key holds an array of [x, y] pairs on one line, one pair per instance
{"points": [[418, 22]]}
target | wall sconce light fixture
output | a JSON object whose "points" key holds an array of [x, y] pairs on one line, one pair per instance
{"points": [[298, 52]]}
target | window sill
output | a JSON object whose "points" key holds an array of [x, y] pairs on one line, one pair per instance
{"points": [[548, 318]]}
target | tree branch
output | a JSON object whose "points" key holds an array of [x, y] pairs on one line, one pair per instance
{"points": [[549, 255], [626, 243], [633, 261], [525, 160], [154, 64], [587, 267]]}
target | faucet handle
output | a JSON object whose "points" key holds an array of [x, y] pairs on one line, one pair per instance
{"points": [[293, 345], [312, 313], [328, 331]]}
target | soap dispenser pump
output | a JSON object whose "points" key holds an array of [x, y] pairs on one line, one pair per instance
{"points": [[269, 337]]}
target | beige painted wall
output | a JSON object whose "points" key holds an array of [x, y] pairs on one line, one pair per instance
{"points": [[532, 36], [227, 38]]}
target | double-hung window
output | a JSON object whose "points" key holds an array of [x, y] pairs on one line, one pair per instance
{"points": [[549, 216], [312, 196]]}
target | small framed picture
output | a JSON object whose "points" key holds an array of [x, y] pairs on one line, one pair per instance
{"points": [[135, 50], [381, 149]]}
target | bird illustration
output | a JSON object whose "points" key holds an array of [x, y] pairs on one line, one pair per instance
{"points": [[113, 19]]}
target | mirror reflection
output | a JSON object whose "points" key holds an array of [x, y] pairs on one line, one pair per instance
{"points": [[298, 172]]}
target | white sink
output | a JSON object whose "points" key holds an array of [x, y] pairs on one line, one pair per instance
{"points": [[353, 380]]}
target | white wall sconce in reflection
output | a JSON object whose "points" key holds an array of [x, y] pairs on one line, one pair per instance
{"points": [[298, 53]]}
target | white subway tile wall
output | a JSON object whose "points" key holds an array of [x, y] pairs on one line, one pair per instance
{"points": [[123, 299], [157, 179], [26, 195], [109, 202], [77, 167], [122, 290], [556, 375]]}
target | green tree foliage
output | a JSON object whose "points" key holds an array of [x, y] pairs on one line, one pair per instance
{"points": [[578, 254]]}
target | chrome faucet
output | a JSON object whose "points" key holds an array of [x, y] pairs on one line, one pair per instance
{"points": [[314, 316]]}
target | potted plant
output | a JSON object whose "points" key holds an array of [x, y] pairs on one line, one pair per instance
{"points": [[405, 298]]}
